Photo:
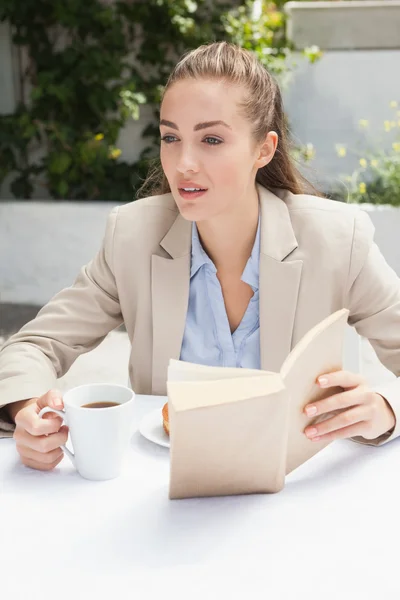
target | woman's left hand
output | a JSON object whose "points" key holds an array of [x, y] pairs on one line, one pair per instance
{"points": [[368, 414]]}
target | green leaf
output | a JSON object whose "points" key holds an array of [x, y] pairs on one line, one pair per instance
{"points": [[59, 163], [62, 189], [93, 64]]}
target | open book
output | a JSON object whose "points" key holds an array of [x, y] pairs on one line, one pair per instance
{"points": [[240, 431]]}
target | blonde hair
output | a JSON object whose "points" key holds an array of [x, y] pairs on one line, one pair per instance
{"points": [[262, 106]]}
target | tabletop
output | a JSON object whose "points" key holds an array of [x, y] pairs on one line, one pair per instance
{"points": [[330, 533]]}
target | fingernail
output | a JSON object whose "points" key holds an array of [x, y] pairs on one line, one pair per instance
{"points": [[322, 381], [311, 410], [56, 400], [311, 433]]}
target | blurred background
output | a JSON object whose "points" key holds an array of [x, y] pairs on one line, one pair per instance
{"points": [[80, 84]]}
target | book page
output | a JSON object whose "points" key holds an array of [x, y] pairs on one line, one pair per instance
{"points": [[319, 351], [179, 370], [189, 395]]}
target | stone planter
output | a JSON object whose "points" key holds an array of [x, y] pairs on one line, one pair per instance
{"points": [[340, 25], [387, 231], [47, 243]]}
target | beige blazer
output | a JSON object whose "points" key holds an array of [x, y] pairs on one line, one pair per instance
{"points": [[317, 256]]}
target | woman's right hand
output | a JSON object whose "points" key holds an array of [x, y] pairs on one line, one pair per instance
{"points": [[39, 439]]}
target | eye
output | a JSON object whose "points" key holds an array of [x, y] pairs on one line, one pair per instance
{"points": [[168, 139], [212, 141]]}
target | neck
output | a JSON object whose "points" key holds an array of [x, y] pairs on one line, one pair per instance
{"points": [[228, 238]]}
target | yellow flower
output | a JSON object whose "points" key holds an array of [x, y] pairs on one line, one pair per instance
{"points": [[99, 137], [374, 162], [115, 153], [275, 18], [309, 151], [363, 163], [393, 104], [387, 125], [341, 151], [362, 188], [396, 146], [363, 123]]}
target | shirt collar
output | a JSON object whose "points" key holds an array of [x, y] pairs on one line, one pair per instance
{"points": [[200, 257], [251, 273]]}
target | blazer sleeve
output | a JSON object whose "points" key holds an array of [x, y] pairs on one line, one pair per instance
{"points": [[73, 322], [373, 298]]}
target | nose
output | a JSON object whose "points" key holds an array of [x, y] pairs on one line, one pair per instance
{"points": [[187, 161]]}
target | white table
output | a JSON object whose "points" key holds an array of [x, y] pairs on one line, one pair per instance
{"points": [[330, 534]]}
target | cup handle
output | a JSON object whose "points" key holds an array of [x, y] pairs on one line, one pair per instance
{"points": [[61, 414]]}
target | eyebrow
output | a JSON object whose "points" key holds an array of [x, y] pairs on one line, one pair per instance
{"points": [[197, 127]]}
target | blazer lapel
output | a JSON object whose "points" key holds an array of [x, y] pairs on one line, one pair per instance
{"points": [[279, 281], [279, 286], [170, 297]]}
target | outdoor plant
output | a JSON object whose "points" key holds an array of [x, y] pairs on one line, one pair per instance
{"points": [[91, 65], [376, 180]]}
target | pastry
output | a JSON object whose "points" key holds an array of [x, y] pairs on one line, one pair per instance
{"points": [[165, 418]]}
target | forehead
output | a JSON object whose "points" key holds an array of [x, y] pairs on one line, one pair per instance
{"points": [[196, 100]]}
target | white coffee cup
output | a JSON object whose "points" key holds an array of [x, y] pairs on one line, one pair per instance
{"points": [[100, 436]]}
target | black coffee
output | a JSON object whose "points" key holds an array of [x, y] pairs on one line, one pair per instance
{"points": [[100, 404]]}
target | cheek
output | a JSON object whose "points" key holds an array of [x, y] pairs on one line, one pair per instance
{"points": [[230, 167], [165, 158]]}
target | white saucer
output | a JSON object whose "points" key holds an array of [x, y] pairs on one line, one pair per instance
{"points": [[151, 427]]}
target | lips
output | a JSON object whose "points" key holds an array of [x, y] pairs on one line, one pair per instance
{"points": [[191, 195], [190, 190], [191, 186]]}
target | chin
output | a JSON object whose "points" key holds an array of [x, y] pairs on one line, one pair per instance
{"points": [[192, 212]]}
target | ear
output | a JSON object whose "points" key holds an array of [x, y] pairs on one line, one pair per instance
{"points": [[267, 150]]}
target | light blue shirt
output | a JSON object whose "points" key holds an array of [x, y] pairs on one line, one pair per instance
{"points": [[207, 339]]}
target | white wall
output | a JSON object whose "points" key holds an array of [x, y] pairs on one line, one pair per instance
{"points": [[326, 100]]}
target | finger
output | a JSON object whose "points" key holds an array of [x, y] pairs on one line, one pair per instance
{"points": [[357, 429], [353, 416], [42, 443], [51, 415], [351, 397], [28, 420], [40, 466], [53, 399], [344, 379], [46, 459]]}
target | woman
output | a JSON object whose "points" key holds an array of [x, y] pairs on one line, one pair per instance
{"points": [[230, 263]]}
